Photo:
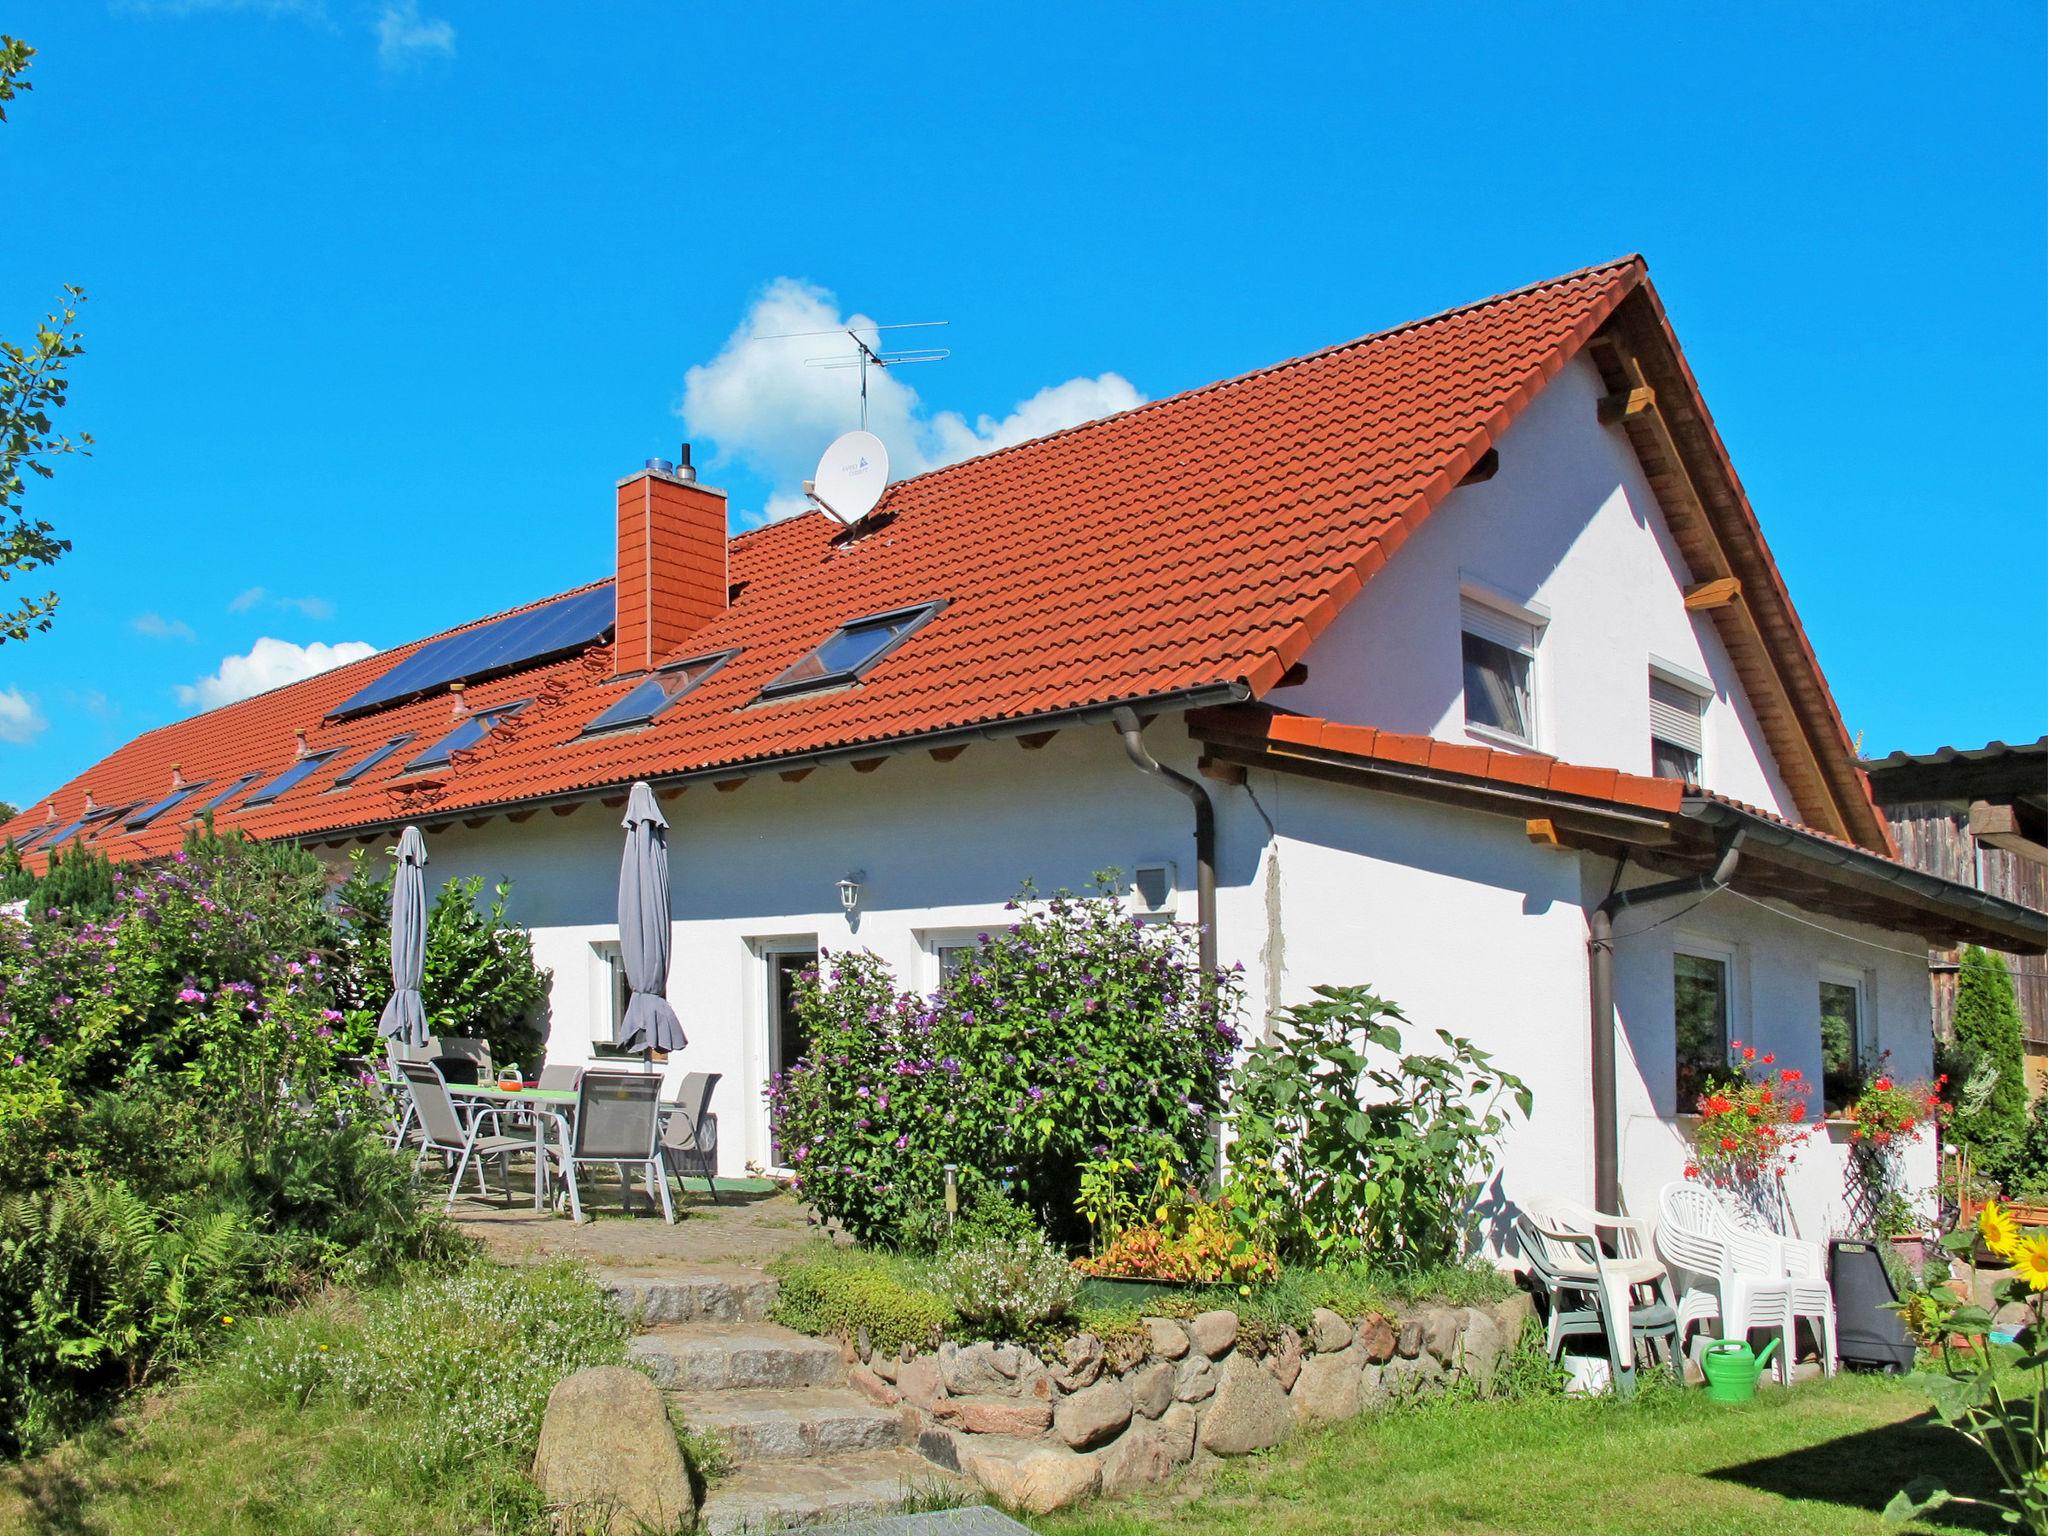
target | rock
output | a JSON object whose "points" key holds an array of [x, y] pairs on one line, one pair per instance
{"points": [[1329, 1387], [1408, 1340], [1020, 1418], [1031, 1475], [919, 1381], [940, 1447], [1372, 1390], [1376, 1337], [978, 1370], [863, 1345], [1151, 1453], [1328, 1332], [1151, 1388], [1250, 1411], [1213, 1333], [1195, 1380], [1095, 1416], [1285, 1362], [884, 1366], [1083, 1357], [1440, 1328], [1036, 1381], [607, 1450], [1166, 1338], [1480, 1347], [869, 1383], [1410, 1378]]}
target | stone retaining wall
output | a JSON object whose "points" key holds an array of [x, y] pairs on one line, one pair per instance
{"points": [[1041, 1433]]}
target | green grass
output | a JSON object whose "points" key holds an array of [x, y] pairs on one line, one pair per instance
{"points": [[1823, 1459], [407, 1411]]}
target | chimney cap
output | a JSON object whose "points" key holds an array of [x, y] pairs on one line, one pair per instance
{"points": [[659, 467]]}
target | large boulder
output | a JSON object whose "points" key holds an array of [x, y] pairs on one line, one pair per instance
{"points": [[1094, 1415], [1328, 1332], [1032, 1475], [1151, 1387], [1213, 1333], [1285, 1361], [1481, 1347], [1440, 1327], [1081, 1363], [1376, 1338], [1250, 1411], [1329, 1387], [609, 1457], [1151, 1453], [1196, 1379], [980, 1370], [1021, 1418], [1166, 1338]]}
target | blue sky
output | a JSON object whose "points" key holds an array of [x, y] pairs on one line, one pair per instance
{"points": [[386, 295]]}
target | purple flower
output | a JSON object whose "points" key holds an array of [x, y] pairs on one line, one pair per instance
{"points": [[191, 995]]}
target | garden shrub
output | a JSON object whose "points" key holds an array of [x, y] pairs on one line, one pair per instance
{"points": [[826, 1291], [1171, 1233], [1349, 1147], [1010, 1286], [1084, 1034], [1989, 1039]]}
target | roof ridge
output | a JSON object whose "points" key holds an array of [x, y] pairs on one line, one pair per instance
{"points": [[1632, 259]]}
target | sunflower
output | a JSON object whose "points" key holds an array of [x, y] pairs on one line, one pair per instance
{"points": [[1999, 1231], [2030, 1261]]}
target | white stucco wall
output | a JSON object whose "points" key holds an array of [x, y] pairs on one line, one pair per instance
{"points": [[1570, 528]]}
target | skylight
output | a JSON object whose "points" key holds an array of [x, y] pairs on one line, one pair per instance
{"points": [[850, 650], [286, 780], [170, 802], [96, 819], [656, 691], [486, 650], [227, 794], [349, 775], [467, 734]]}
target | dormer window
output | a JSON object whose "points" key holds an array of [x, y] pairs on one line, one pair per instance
{"points": [[1678, 712], [850, 651], [1500, 672]]}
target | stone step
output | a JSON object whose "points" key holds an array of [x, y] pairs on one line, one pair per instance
{"points": [[772, 1495], [731, 1295], [783, 1423], [720, 1357]]}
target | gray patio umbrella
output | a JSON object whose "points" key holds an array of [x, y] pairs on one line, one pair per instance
{"points": [[650, 1024], [405, 1017]]}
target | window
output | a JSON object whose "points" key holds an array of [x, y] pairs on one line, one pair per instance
{"points": [[850, 651], [88, 824], [1500, 662], [227, 794], [349, 775], [465, 735], [298, 772], [1700, 985], [655, 692], [1677, 729], [170, 802], [611, 1017], [1843, 1038]]}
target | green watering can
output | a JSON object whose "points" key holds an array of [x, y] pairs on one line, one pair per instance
{"points": [[1732, 1371]]}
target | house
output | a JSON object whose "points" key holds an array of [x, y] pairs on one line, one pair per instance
{"points": [[1450, 659], [1978, 817]]}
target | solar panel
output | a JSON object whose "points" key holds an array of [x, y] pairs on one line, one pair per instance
{"points": [[350, 775], [655, 692], [227, 794], [170, 802], [284, 781], [521, 640], [467, 734]]}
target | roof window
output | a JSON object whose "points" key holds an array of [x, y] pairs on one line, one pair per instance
{"points": [[466, 734], [656, 691], [289, 779], [850, 650], [227, 794], [348, 776], [170, 802]]}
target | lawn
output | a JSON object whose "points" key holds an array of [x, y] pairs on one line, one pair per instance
{"points": [[1824, 1459]]}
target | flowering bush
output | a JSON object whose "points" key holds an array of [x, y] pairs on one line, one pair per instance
{"points": [[1009, 1285], [1751, 1128], [1082, 1034], [1888, 1111]]}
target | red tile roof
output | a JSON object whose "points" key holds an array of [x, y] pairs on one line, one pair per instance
{"points": [[1198, 541]]}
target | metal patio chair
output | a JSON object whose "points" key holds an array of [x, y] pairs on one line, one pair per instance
{"points": [[442, 1130], [618, 1121], [689, 1132]]}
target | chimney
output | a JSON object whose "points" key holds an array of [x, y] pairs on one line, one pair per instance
{"points": [[300, 751], [458, 706], [672, 571]]}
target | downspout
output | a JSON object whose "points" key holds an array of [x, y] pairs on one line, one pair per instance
{"points": [[1600, 962], [1132, 731]]}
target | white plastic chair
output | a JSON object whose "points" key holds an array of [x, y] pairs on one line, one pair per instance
{"points": [[1743, 1279]]}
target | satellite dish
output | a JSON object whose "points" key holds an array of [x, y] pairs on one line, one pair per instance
{"points": [[851, 476]]}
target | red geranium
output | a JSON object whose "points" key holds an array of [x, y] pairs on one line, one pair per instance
{"points": [[1750, 1128]]}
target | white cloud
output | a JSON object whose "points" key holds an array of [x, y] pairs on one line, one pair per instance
{"points": [[21, 720], [157, 627], [269, 664], [762, 405], [254, 597], [403, 35]]}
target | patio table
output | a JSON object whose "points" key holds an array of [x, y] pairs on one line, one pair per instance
{"points": [[562, 1112]]}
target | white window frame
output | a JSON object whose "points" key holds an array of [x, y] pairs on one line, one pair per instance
{"points": [[1701, 947], [762, 1042], [608, 992], [1863, 1046], [935, 942], [1518, 627], [1700, 691]]}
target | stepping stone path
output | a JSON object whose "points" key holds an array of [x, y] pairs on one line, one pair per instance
{"points": [[807, 1447]]}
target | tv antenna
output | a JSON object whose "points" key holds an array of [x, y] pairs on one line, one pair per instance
{"points": [[865, 357]]}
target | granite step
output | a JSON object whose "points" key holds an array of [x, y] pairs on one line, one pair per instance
{"points": [[721, 1357], [731, 1295], [785, 1423], [765, 1496]]}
